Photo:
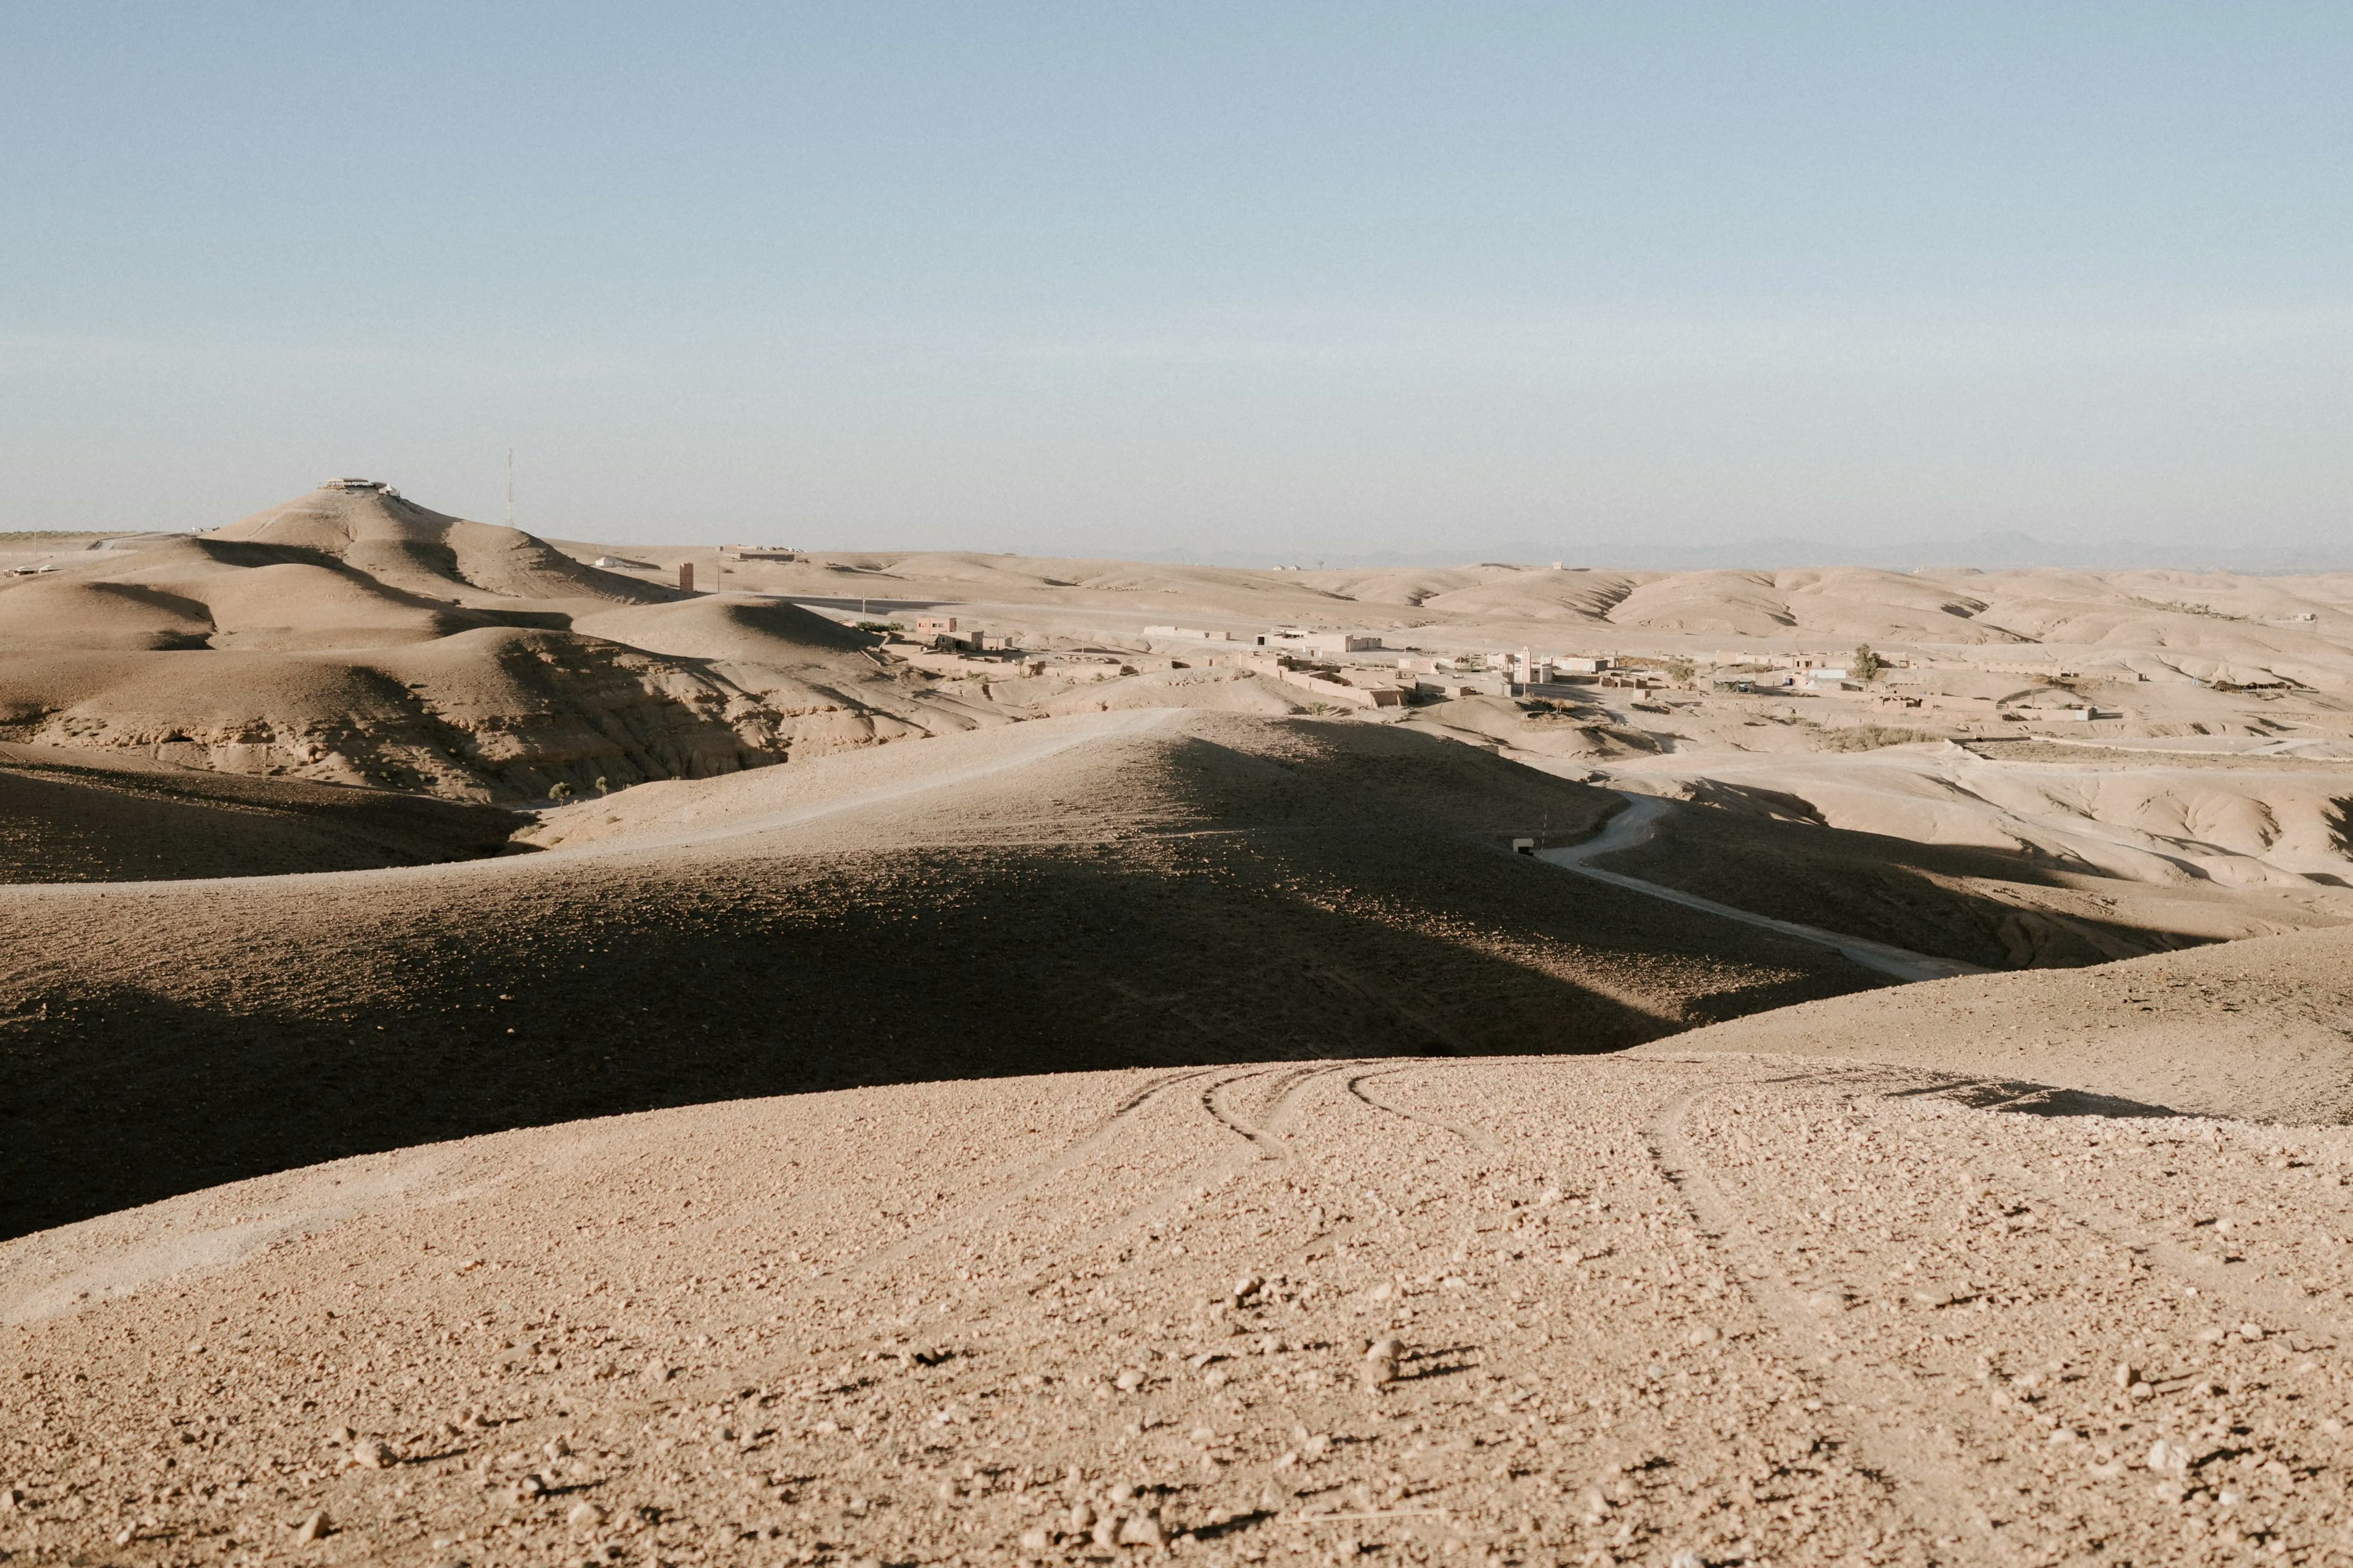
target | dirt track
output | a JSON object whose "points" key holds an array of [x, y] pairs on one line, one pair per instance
{"points": [[1640, 822]]}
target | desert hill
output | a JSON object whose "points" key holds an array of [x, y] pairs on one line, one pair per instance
{"points": [[1437, 1204], [399, 543], [67, 815], [352, 637], [2206, 626], [1998, 907], [1104, 890], [1709, 1308], [2261, 1029]]}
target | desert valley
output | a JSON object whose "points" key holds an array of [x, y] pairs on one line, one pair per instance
{"points": [[537, 1050]]}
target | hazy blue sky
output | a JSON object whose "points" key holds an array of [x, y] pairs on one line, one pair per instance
{"points": [[1112, 278]]}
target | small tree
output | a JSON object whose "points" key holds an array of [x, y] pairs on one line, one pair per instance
{"points": [[560, 793], [1865, 664], [1679, 669], [602, 788]]}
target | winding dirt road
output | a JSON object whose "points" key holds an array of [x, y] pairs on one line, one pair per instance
{"points": [[1640, 820]]}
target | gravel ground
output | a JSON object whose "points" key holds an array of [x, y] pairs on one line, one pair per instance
{"points": [[1708, 1310]]}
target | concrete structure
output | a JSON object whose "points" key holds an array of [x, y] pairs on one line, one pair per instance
{"points": [[1324, 682], [936, 626], [1190, 633], [1578, 664], [362, 487], [1291, 640], [686, 576], [1474, 685]]}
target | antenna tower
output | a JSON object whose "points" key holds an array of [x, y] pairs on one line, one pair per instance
{"points": [[510, 487]]}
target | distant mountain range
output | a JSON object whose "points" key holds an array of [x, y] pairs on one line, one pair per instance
{"points": [[1985, 551]]}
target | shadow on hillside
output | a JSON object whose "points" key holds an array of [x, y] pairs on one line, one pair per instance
{"points": [[1732, 847], [2024, 1099], [340, 1022]]}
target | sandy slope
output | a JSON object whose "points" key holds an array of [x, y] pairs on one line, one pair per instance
{"points": [[360, 638], [1902, 1275], [2261, 1028], [1107, 889], [1743, 1310], [67, 815]]}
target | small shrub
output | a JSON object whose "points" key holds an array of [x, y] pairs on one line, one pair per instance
{"points": [[1870, 737]]}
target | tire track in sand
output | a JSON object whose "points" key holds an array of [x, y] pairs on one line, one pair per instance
{"points": [[1262, 1129], [963, 1220], [1163, 1199], [2281, 1306], [1932, 1481], [1477, 1140]]}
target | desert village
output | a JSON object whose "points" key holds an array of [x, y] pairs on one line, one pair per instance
{"points": [[1475, 786], [526, 1051]]}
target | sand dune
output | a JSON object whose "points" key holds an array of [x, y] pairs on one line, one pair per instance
{"points": [[354, 637], [1673, 1239], [2260, 1029], [1111, 890], [2154, 821], [405, 545], [66, 817]]}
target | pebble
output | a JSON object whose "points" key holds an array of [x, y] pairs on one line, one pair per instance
{"points": [[315, 1527], [1036, 1540], [2164, 1456], [2126, 1375], [1143, 1529], [2251, 1332], [1246, 1287], [374, 1453], [1707, 1335], [10, 1499], [585, 1515]]}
